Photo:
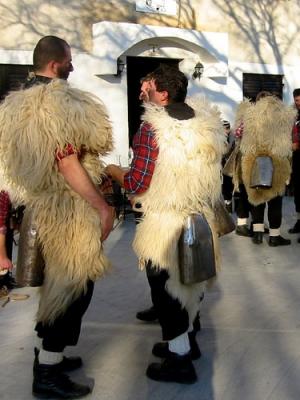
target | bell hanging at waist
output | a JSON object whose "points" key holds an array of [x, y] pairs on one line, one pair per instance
{"points": [[262, 173], [30, 262], [196, 251]]}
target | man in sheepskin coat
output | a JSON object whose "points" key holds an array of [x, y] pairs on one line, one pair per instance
{"points": [[267, 125], [175, 172], [51, 136]]}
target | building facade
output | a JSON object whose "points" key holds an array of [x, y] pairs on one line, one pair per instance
{"points": [[243, 46]]}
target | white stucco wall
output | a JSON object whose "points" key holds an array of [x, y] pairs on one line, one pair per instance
{"points": [[224, 90]]}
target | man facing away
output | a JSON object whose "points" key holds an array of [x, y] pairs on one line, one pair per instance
{"points": [[266, 133], [175, 172], [51, 136]]}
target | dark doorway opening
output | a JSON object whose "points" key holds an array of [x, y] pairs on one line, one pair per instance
{"points": [[12, 76], [255, 83], [137, 68]]}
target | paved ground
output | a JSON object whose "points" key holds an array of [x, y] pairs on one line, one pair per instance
{"points": [[250, 338]]}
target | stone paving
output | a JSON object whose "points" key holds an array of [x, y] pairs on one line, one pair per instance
{"points": [[250, 337]]}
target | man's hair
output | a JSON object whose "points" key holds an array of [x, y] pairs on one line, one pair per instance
{"points": [[146, 78], [170, 79], [49, 48], [296, 92], [262, 94], [226, 124]]}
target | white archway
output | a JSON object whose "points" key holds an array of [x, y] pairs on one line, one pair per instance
{"points": [[113, 40]]}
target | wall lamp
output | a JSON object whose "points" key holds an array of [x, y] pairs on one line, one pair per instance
{"points": [[120, 67], [198, 70]]}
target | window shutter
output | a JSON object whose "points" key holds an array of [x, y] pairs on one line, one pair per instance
{"points": [[11, 77], [255, 83]]}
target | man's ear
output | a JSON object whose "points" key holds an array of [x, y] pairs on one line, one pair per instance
{"points": [[52, 66]]}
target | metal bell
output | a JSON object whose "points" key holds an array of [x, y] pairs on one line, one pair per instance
{"points": [[196, 251], [262, 173], [30, 262]]}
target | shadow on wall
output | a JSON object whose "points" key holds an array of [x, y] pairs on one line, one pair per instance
{"points": [[28, 20], [258, 26], [263, 25]]}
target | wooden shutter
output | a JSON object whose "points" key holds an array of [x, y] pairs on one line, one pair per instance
{"points": [[255, 83], [11, 77]]}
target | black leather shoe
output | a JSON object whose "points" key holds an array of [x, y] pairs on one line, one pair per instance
{"points": [[295, 228], [67, 364], [148, 315], [161, 349], [175, 368], [49, 381], [243, 230], [9, 281], [70, 364], [275, 241], [257, 237]]}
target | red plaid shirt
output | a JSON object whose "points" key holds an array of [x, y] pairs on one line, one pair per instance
{"points": [[67, 151], [296, 133], [239, 131], [4, 209], [145, 151]]}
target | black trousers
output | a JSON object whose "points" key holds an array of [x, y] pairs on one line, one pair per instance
{"points": [[295, 178], [9, 239], [274, 213], [65, 330], [227, 187], [243, 207], [173, 318]]}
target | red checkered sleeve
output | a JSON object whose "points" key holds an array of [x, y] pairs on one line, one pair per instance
{"points": [[67, 151], [4, 209], [239, 131], [145, 151]]}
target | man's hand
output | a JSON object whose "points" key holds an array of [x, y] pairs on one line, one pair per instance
{"points": [[5, 263], [107, 216], [80, 182], [117, 173], [295, 146]]}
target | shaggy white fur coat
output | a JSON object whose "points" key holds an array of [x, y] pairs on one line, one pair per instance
{"points": [[267, 131], [186, 179], [34, 124]]}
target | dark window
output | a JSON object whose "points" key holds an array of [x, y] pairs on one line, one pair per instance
{"points": [[255, 83], [11, 77]]}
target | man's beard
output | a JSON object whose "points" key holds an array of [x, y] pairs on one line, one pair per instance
{"points": [[63, 72]]}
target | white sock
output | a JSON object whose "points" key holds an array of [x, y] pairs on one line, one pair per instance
{"points": [[227, 201], [274, 232], [180, 345], [38, 342], [50, 357], [242, 221], [258, 227]]}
